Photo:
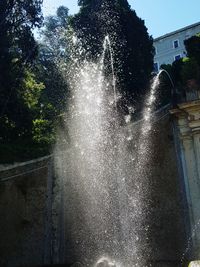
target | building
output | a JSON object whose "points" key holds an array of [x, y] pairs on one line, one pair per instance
{"points": [[170, 47]]}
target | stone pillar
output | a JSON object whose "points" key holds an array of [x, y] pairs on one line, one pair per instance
{"points": [[188, 120]]}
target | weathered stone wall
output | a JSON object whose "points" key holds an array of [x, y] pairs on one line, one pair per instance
{"points": [[162, 195], [167, 229], [26, 206], [23, 213], [168, 211]]}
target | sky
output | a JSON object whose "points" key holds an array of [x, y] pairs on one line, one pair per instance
{"points": [[161, 16]]}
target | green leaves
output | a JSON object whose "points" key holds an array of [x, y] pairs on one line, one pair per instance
{"points": [[132, 46], [20, 91], [31, 91], [193, 47], [190, 70], [185, 72], [42, 132]]}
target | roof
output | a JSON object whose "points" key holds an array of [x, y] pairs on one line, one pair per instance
{"points": [[177, 31]]}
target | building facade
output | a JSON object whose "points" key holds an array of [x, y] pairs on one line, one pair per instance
{"points": [[170, 47]]}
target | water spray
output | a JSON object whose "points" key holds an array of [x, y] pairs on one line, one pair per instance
{"points": [[107, 45]]}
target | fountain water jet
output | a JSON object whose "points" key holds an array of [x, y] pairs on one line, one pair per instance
{"points": [[106, 44], [104, 192], [106, 262]]}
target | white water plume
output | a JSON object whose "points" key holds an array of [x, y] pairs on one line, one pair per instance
{"points": [[107, 44], [103, 206]]}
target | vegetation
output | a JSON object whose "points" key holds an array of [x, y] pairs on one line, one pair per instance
{"points": [[132, 46], [186, 71], [19, 88], [193, 47], [33, 87], [53, 59]]}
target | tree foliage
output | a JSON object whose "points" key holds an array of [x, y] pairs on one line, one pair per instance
{"points": [[33, 87], [17, 18], [185, 72], [132, 46], [56, 87], [190, 70], [53, 59], [53, 34], [193, 47], [17, 45], [19, 88]]}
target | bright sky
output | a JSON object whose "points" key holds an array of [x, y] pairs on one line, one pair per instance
{"points": [[161, 16]]}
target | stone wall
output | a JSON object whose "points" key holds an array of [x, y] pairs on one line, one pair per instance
{"points": [[26, 201], [164, 207], [167, 196], [166, 211], [24, 214]]}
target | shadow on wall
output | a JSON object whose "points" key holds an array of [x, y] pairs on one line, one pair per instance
{"points": [[23, 213]]}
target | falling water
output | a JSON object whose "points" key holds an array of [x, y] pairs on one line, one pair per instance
{"points": [[103, 210], [107, 45], [146, 124], [189, 244]]}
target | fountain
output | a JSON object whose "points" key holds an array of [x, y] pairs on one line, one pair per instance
{"points": [[106, 262], [106, 200], [194, 264]]}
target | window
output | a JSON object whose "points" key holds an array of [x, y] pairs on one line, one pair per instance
{"points": [[177, 57], [176, 43], [156, 67]]}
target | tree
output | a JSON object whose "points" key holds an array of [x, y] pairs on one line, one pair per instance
{"points": [[192, 46], [190, 70], [132, 46], [185, 72], [52, 75], [53, 59], [54, 34], [17, 18], [18, 49], [17, 44]]}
